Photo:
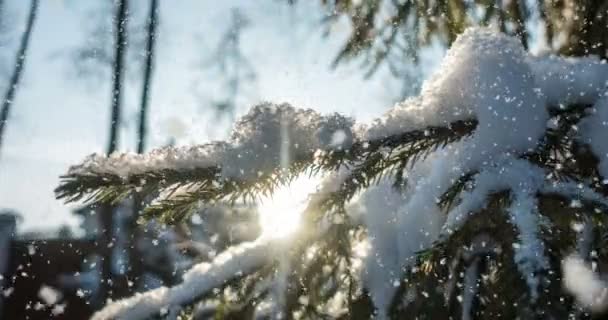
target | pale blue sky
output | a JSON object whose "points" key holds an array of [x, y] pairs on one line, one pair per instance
{"points": [[58, 119]]}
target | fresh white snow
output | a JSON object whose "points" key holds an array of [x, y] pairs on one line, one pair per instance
{"points": [[378, 207], [489, 77], [594, 130], [267, 137], [566, 81]]}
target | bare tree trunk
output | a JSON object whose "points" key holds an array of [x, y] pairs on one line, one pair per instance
{"points": [[13, 84], [147, 82], [117, 73], [135, 263], [1, 13], [106, 241]]}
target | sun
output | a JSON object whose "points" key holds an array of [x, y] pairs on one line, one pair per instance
{"points": [[280, 214]]}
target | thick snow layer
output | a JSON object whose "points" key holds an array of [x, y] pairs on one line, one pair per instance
{"points": [[586, 286], [489, 77], [486, 73], [524, 180], [267, 137], [378, 207], [530, 250], [480, 73], [594, 130], [510, 174], [568, 81]]}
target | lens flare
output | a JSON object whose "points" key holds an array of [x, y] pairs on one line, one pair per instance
{"points": [[280, 214]]}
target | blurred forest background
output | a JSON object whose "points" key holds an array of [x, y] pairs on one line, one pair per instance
{"points": [[211, 61]]}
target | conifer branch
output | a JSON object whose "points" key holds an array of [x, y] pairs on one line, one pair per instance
{"points": [[450, 198], [369, 160], [111, 188], [558, 150], [437, 266], [174, 209]]}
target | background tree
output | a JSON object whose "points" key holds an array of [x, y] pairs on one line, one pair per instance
{"points": [[20, 58], [229, 64], [93, 59], [106, 213], [6, 26], [135, 268], [568, 27], [147, 78]]}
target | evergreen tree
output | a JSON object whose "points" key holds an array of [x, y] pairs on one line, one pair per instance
{"points": [[135, 269], [568, 27], [106, 214], [484, 196], [230, 67], [20, 57]]}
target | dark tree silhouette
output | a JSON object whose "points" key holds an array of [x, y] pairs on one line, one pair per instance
{"points": [[106, 240], [1, 12], [136, 267], [375, 25], [148, 72], [118, 73], [21, 56]]}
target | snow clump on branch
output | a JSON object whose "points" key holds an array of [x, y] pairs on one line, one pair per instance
{"points": [[267, 137]]}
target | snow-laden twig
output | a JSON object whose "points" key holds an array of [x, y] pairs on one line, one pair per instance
{"points": [[594, 130], [513, 174], [378, 207], [486, 74], [255, 145], [529, 252], [234, 262], [470, 288], [509, 174]]}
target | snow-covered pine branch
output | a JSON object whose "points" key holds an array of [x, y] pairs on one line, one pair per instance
{"points": [[486, 174], [269, 146], [232, 263]]}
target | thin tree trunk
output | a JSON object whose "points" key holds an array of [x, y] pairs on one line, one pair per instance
{"points": [[1, 14], [117, 73], [135, 263], [13, 84], [147, 82], [106, 241]]}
